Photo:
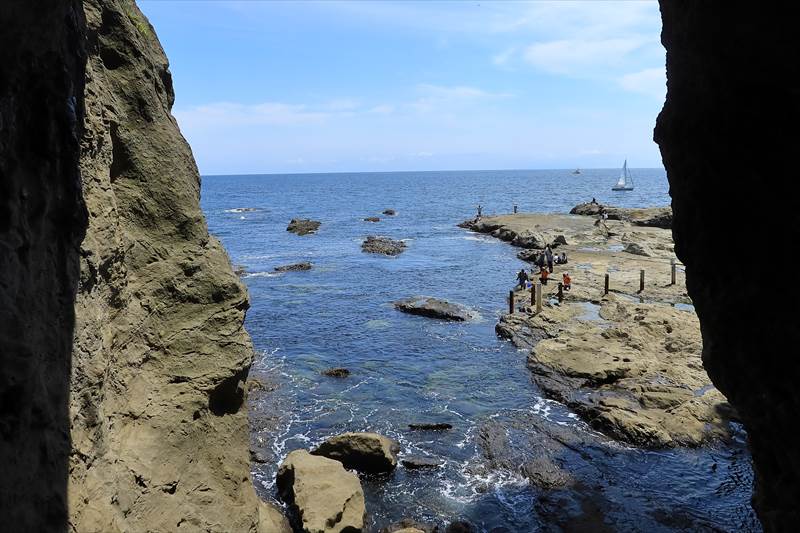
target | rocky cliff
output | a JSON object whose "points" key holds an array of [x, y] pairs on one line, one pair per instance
{"points": [[728, 136], [42, 221], [129, 339]]}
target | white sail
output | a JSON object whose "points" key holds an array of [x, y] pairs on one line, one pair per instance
{"points": [[625, 181]]}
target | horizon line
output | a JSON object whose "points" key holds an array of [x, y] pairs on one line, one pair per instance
{"points": [[417, 171]]}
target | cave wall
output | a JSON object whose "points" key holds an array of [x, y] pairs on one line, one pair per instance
{"points": [[729, 140], [42, 221]]}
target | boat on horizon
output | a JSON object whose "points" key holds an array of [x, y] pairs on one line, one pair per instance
{"points": [[625, 181]]}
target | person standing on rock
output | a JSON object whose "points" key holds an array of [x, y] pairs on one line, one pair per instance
{"points": [[548, 253], [543, 277], [515, 209], [480, 211], [522, 277], [566, 281]]}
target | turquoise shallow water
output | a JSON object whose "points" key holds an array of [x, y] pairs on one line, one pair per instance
{"points": [[408, 369]]}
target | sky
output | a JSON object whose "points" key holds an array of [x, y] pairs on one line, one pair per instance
{"points": [[291, 87]]}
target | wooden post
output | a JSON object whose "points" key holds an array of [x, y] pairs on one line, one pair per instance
{"points": [[641, 280], [539, 297], [673, 269], [533, 293], [606, 285], [560, 292], [511, 302]]}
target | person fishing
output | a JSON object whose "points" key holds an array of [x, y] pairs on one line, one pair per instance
{"points": [[566, 281], [480, 211], [515, 209], [543, 276], [522, 277]]}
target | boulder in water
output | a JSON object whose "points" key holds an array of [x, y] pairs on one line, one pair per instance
{"points": [[303, 226], [416, 463], [390, 212], [408, 525], [336, 372], [432, 308], [365, 452], [295, 267], [382, 245], [324, 496], [372, 219], [436, 426]]}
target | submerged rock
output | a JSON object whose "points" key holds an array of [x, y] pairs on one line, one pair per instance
{"points": [[382, 245], [365, 452], [324, 496], [336, 372], [415, 463], [437, 426], [303, 226], [390, 212], [295, 267], [433, 308], [372, 219], [408, 525]]}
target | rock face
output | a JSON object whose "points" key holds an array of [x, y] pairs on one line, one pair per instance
{"points": [[716, 127], [154, 410], [42, 222], [382, 245], [432, 308], [417, 463], [303, 226], [365, 452], [336, 372], [325, 497], [657, 217], [295, 267]]}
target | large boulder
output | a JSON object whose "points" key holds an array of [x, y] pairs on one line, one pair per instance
{"points": [[325, 497], [382, 245], [365, 452], [432, 308], [637, 249], [303, 226]]}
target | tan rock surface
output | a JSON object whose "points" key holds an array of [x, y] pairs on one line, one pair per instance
{"points": [[326, 497], [159, 431]]}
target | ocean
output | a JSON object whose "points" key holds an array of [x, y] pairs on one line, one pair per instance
{"points": [[408, 369]]}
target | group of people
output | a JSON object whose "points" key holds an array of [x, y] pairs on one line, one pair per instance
{"points": [[545, 262]]}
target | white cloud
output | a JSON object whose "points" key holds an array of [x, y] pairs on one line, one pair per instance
{"points": [[651, 81], [580, 57]]}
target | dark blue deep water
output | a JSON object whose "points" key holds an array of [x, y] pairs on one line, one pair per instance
{"points": [[409, 369]]}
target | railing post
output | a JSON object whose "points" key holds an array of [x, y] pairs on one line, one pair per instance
{"points": [[673, 268], [641, 280], [606, 285], [533, 294], [539, 297], [511, 302]]}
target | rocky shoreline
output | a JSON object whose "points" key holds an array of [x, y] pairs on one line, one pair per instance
{"points": [[628, 362]]}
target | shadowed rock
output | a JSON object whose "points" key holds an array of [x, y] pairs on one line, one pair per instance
{"points": [[336, 372], [365, 452], [303, 226], [437, 426], [432, 308], [416, 463], [390, 212], [658, 217]]}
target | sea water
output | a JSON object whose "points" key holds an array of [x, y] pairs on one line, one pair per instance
{"points": [[408, 369]]}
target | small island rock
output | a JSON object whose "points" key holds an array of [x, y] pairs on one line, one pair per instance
{"points": [[382, 245], [303, 226], [432, 308]]}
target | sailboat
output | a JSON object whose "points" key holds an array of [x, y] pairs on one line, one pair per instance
{"points": [[625, 181]]}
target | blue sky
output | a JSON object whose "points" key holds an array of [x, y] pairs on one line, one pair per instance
{"points": [[274, 87]]}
